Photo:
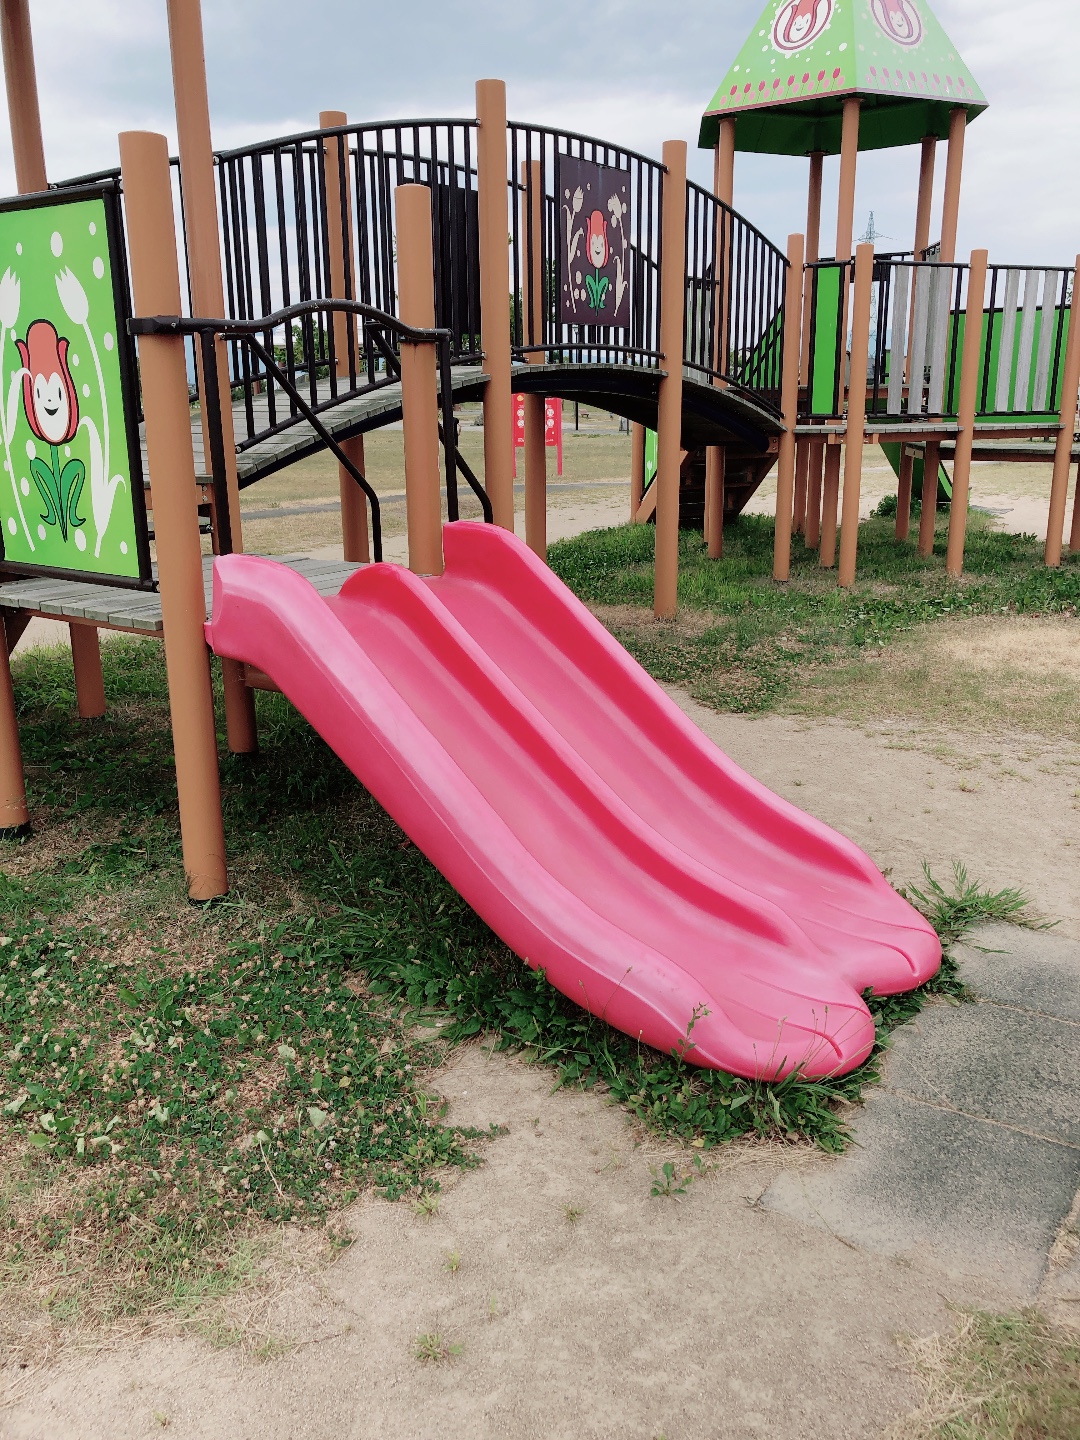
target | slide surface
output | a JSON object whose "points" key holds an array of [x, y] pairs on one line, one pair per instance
{"points": [[579, 811]]}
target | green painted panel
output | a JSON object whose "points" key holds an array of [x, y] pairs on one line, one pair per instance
{"points": [[825, 348], [70, 490]]}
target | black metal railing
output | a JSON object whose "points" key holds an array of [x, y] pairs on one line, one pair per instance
{"points": [[380, 334], [537, 157], [736, 283]]}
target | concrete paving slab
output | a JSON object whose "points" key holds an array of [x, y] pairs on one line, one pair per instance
{"points": [[1032, 969], [966, 1195], [996, 1062]]}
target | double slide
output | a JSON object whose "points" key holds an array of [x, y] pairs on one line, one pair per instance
{"points": [[579, 811]]}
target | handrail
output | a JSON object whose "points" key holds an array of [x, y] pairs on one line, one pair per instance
{"points": [[248, 332]]}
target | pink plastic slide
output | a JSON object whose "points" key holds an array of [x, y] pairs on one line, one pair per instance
{"points": [[579, 811]]}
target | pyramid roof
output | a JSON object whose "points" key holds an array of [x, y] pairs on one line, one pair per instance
{"points": [[804, 58]]}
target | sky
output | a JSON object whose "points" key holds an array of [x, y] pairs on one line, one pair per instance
{"points": [[630, 71]]}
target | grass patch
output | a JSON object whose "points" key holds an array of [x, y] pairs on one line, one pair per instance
{"points": [[747, 644], [174, 1080], [998, 1377]]}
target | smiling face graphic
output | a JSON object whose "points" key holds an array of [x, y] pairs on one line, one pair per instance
{"points": [[900, 20], [800, 22], [49, 398]]}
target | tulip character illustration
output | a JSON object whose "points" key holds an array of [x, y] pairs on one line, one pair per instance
{"points": [[800, 22], [598, 251], [900, 20], [10, 300], [52, 412]]}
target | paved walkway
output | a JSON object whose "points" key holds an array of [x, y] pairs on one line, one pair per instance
{"points": [[968, 1157]]}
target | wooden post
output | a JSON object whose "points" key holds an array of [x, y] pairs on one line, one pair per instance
{"points": [[789, 404], [802, 480], [830, 503], [494, 206], [355, 539], [816, 462], [954, 167], [928, 518], [532, 227], [849, 159], [715, 484], [1059, 485], [207, 297], [1074, 536], [855, 437], [716, 455], [155, 279], [926, 195], [28, 149], [970, 372], [419, 386], [14, 814], [903, 494], [669, 418], [637, 468], [803, 449]]}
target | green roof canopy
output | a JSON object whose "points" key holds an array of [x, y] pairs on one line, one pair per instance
{"points": [[804, 58]]}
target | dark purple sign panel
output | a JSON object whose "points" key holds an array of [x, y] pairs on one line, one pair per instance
{"points": [[594, 244]]}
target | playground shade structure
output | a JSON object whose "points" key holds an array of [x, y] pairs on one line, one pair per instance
{"points": [[580, 813]]}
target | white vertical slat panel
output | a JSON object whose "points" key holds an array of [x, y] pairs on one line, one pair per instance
{"points": [[898, 338], [1027, 339], [940, 306], [1007, 346], [1047, 327], [917, 353]]}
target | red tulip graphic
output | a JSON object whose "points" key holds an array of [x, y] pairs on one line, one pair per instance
{"points": [[52, 412], [598, 251]]}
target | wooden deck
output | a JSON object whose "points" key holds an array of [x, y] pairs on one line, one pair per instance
{"points": [[355, 416], [138, 612]]}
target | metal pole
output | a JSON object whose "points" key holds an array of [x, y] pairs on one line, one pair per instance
{"points": [[970, 372], [855, 437], [789, 404], [532, 300], [419, 388], [207, 297], [355, 540], [669, 417], [1059, 485], [494, 206], [155, 279], [954, 167]]}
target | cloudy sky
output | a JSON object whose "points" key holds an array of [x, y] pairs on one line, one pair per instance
{"points": [[635, 71]]}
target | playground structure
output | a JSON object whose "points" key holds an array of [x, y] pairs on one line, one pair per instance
{"points": [[328, 283]]}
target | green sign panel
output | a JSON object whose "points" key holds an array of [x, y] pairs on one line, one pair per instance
{"points": [[71, 496]]}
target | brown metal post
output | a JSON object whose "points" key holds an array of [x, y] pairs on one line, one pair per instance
{"points": [[419, 385], [855, 437], [532, 226], [926, 195], [802, 480], [813, 493], [89, 681], [155, 279], [903, 494], [14, 814], [789, 404], [669, 418], [355, 540], [637, 468], [849, 159], [1059, 485], [1074, 536], [830, 504], [715, 455], [970, 372], [494, 205], [954, 167], [715, 478], [928, 518], [24, 110], [208, 293], [813, 249]]}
